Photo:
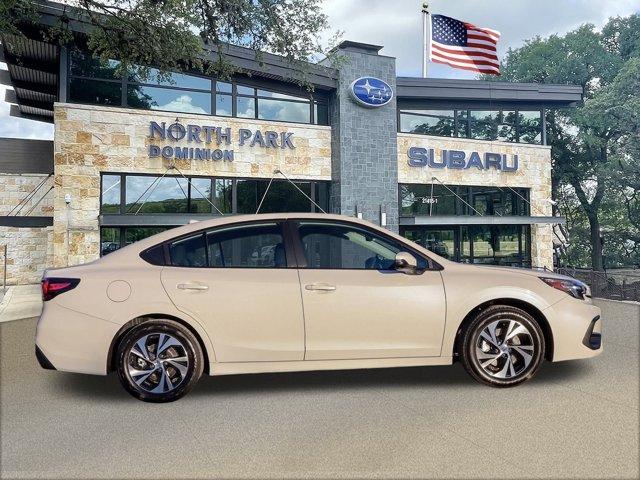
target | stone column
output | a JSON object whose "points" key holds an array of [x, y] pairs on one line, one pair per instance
{"points": [[364, 140]]}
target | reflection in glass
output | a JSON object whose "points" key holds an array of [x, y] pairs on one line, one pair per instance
{"points": [[529, 127], [95, 92], [283, 111], [462, 119], [260, 246], [506, 124], [321, 113], [156, 98], [242, 90], [200, 195], [153, 195], [267, 93], [134, 234], [110, 202], [109, 240], [245, 107], [224, 87], [222, 195], [428, 122], [223, 105], [152, 75], [484, 125], [84, 64]]}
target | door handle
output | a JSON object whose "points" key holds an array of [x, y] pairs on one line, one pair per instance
{"points": [[322, 287], [192, 286]]}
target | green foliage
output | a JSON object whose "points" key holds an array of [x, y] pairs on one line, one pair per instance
{"points": [[596, 146], [172, 35]]}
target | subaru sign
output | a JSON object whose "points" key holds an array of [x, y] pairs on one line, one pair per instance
{"points": [[371, 92]]}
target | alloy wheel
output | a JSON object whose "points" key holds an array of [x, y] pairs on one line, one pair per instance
{"points": [[157, 363], [504, 349]]}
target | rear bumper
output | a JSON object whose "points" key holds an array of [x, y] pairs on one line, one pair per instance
{"points": [[576, 328], [71, 341]]}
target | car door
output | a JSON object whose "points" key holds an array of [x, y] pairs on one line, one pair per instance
{"points": [[356, 305], [240, 284]]}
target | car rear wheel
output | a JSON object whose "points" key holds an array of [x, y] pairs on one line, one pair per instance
{"points": [[502, 346], [159, 361]]}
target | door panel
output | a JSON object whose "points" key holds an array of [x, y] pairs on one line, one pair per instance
{"points": [[235, 282], [372, 314], [356, 305], [251, 315]]}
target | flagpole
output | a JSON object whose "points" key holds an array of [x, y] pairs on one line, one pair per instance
{"points": [[426, 37]]}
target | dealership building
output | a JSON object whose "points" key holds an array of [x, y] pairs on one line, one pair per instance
{"points": [[460, 166]]}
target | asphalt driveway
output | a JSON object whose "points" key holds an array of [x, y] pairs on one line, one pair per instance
{"points": [[576, 419]]}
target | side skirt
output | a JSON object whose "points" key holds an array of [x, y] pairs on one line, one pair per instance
{"points": [[310, 365]]}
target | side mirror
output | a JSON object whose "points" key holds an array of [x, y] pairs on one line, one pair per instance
{"points": [[405, 263]]}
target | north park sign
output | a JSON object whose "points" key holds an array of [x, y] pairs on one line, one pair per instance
{"points": [[460, 160], [199, 136]]}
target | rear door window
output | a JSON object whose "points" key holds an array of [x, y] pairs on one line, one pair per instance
{"points": [[188, 252]]}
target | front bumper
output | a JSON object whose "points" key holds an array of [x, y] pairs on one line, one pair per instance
{"points": [[577, 329]]}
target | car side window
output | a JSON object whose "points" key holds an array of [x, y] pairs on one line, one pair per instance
{"points": [[247, 246], [339, 246], [188, 252]]}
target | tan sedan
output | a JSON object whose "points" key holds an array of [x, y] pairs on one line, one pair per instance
{"points": [[288, 292]]}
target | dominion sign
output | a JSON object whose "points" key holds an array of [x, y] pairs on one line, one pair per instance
{"points": [[199, 136]]}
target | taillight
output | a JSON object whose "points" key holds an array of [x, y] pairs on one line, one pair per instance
{"points": [[52, 287]]}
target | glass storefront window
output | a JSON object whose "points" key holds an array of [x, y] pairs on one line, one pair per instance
{"points": [[110, 202], [224, 104], [109, 241], [95, 92], [503, 125], [180, 80], [428, 122], [417, 200], [222, 195], [92, 81], [246, 107], [530, 127], [83, 64], [158, 98], [507, 245], [200, 195], [281, 110], [147, 194], [135, 234], [281, 197]]}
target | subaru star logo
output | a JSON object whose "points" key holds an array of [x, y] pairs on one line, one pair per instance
{"points": [[371, 92]]}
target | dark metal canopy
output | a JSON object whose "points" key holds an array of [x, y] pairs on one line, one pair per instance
{"points": [[469, 93], [480, 220]]}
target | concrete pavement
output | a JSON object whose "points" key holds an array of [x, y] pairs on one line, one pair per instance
{"points": [[21, 301], [574, 420]]}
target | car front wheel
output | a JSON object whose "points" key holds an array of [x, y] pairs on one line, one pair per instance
{"points": [[502, 346], [159, 361]]}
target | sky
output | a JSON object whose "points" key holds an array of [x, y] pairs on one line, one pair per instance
{"points": [[397, 25]]}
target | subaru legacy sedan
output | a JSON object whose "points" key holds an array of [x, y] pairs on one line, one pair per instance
{"points": [[293, 292]]}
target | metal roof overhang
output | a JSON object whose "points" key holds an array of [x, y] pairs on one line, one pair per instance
{"points": [[480, 220], [411, 92]]}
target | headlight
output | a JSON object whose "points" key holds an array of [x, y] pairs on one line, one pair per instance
{"points": [[573, 287]]}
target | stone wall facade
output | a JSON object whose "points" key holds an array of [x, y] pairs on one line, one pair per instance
{"points": [[89, 140], [534, 173], [29, 250]]}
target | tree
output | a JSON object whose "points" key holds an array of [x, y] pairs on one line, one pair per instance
{"points": [[592, 145], [172, 35]]}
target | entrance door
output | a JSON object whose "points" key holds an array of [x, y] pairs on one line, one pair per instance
{"points": [[235, 281], [356, 305]]}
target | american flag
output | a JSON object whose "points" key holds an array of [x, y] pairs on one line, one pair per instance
{"points": [[463, 45]]}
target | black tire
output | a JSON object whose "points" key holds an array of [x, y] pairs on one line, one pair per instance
{"points": [[184, 379], [473, 344]]}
